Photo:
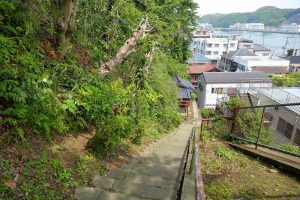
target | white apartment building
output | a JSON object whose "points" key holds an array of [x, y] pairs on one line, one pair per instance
{"points": [[214, 48], [294, 28], [214, 85], [256, 26], [211, 47], [198, 36], [273, 65], [248, 26]]}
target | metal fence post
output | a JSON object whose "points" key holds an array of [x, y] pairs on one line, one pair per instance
{"points": [[260, 126]]}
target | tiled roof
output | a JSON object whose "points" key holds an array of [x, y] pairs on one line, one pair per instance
{"points": [[293, 59], [182, 83], [257, 47], [200, 68], [240, 52], [282, 96], [236, 77], [271, 70]]}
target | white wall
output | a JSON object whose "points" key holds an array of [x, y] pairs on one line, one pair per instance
{"points": [[256, 61], [208, 99], [214, 48], [266, 54]]}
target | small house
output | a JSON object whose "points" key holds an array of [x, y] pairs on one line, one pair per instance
{"points": [[214, 85]]}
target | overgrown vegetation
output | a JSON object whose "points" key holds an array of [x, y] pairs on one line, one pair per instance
{"points": [[229, 174], [250, 126], [234, 103], [208, 113], [50, 82], [289, 80], [49, 88], [290, 148]]}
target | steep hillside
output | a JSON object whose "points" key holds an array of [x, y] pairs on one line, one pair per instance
{"points": [[268, 15]]}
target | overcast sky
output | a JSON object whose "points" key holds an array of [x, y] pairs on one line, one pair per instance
{"points": [[229, 6]]}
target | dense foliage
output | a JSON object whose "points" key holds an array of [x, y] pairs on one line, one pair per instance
{"points": [[49, 87], [289, 80], [268, 15]]}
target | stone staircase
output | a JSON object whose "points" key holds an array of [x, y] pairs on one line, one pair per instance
{"points": [[155, 174]]}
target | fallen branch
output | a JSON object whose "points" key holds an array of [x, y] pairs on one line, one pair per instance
{"points": [[127, 48]]}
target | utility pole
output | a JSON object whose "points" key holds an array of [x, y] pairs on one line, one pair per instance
{"points": [[294, 51], [226, 53], [287, 39], [263, 38]]}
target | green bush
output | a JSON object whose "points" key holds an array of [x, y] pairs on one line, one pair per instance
{"points": [[234, 102], [208, 113], [110, 133], [291, 148]]}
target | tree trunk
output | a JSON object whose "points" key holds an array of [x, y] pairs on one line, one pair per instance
{"points": [[66, 20], [125, 50]]}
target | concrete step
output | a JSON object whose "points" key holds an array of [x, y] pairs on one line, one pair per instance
{"points": [[143, 191], [91, 193]]}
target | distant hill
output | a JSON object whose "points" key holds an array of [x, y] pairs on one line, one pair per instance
{"points": [[268, 15]]}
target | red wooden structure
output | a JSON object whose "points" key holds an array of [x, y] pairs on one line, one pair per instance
{"points": [[185, 103]]}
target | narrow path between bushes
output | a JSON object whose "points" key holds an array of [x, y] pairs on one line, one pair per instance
{"points": [[154, 174]]}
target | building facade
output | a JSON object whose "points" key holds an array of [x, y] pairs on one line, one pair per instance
{"points": [[267, 65], [227, 61], [214, 48], [214, 85], [292, 28], [248, 26], [285, 120], [195, 70]]}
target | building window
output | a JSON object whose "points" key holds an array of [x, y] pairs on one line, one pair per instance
{"points": [[232, 45], [219, 90], [265, 54], [209, 45], [297, 138], [285, 128], [215, 53], [217, 45], [194, 78], [216, 90], [225, 45]]}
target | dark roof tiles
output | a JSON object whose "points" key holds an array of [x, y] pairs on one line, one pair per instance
{"points": [[236, 77]]}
